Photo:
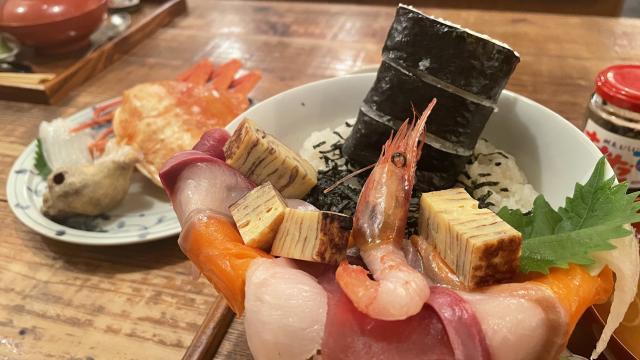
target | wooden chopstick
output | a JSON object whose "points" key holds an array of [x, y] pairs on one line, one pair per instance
{"points": [[206, 341], [25, 78]]}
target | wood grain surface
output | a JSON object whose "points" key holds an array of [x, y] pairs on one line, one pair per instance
{"points": [[60, 301]]}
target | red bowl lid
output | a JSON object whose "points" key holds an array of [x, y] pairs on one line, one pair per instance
{"points": [[619, 85], [36, 12]]}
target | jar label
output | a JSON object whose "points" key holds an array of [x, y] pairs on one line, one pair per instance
{"points": [[623, 153]]}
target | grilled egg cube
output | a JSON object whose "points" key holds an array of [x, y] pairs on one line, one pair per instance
{"points": [[478, 245], [258, 215], [318, 236], [261, 157]]}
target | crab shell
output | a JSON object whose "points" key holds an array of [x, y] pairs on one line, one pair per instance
{"points": [[162, 118]]}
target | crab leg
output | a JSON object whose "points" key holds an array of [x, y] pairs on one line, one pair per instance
{"points": [[99, 144], [101, 115], [223, 76], [99, 110], [245, 83], [198, 74], [93, 122]]}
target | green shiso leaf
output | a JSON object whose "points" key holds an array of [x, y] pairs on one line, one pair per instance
{"points": [[596, 213], [40, 163]]}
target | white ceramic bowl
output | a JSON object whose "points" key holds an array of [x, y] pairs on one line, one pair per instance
{"points": [[552, 152]]}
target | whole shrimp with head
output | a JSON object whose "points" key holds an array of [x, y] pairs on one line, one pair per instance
{"points": [[398, 291]]}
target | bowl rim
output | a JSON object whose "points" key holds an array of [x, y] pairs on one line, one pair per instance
{"points": [[14, 25]]}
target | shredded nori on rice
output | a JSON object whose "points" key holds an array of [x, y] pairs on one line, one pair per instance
{"points": [[319, 144], [344, 198], [482, 200], [485, 184]]}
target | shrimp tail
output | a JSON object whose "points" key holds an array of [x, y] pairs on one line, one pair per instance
{"points": [[398, 292], [356, 279]]}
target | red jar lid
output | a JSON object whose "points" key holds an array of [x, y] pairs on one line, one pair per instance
{"points": [[619, 85]]}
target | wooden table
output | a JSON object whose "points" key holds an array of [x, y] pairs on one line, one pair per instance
{"points": [[60, 301]]}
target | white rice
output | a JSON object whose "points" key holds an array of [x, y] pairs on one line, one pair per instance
{"points": [[320, 143], [493, 177]]}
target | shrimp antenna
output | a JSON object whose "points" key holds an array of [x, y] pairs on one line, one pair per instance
{"points": [[337, 183], [425, 114]]}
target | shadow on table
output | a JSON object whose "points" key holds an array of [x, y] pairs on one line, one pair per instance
{"points": [[117, 259]]}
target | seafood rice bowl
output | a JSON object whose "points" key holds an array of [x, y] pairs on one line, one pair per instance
{"points": [[402, 233]]}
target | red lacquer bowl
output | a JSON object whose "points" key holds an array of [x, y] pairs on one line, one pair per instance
{"points": [[52, 26]]}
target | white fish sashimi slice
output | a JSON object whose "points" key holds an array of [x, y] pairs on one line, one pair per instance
{"points": [[61, 147], [211, 186], [520, 321], [285, 311]]}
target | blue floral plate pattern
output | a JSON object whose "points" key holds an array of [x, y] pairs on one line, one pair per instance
{"points": [[144, 215]]}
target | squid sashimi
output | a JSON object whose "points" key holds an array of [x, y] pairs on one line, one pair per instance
{"points": [[624, 260], [379, 223], [283, 303]]}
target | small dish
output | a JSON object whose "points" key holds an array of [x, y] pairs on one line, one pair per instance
{"points": [[52, 26], [144, 215]]}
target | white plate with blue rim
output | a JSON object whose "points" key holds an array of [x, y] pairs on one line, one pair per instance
{"points": [[144, 215]]}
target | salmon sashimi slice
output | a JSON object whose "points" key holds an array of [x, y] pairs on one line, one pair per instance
{"points": [[577, 290], [216, 248]]}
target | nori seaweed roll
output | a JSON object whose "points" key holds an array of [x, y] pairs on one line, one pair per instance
{"points": [[462, 58], [425, 58], [455, 119], [375, 130], [439, 167]]}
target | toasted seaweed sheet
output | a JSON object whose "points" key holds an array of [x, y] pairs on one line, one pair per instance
{"points": [[454, 119], [452, 54], [365, 142], [438, 169]]}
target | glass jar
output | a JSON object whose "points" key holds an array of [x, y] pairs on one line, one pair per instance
{"points": [[613, 120]]}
